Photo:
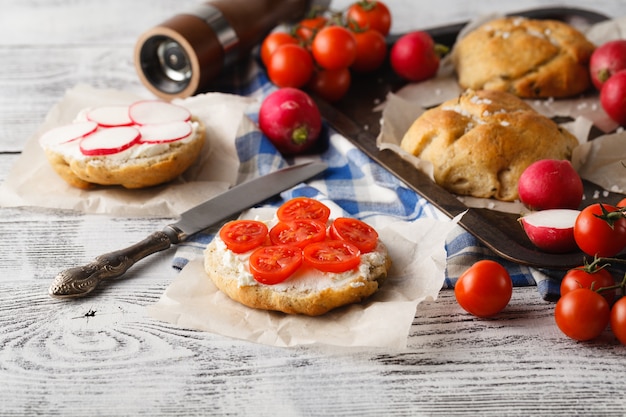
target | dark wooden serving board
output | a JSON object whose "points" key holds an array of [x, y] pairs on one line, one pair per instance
{"points": [[353, 117]]}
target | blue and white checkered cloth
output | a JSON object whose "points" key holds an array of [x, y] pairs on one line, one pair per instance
{"points": [[361, 187]]}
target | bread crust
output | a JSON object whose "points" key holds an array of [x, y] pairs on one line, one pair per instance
{"points": [[480, 143], [527, 57], [90, 172], [293, 300]]}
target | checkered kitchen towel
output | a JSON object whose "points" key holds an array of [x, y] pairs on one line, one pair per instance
{"points": [[361, 187]]}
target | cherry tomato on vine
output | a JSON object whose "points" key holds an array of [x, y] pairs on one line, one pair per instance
{"points": [[303, 208], [369, 14], [618, 320], [332, 256], [359, 233], [582, 314], [595, 236], [334, 47], [306, 29], [272, 42], [243, 235], [331, 85], [484, 289], [299, 232], [580, 278], [273, 264], [371, 51], [290, 65]]}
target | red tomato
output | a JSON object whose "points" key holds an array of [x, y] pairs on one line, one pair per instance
{"points": [[595, 236], [303, 208], [332, 256], [274, 264], [334, 47], [618, 320], [582, 314], [371, 51], [306, 29], [369, 14], [622, 203], [290, 66], [359, 233], [243, 235], [272, 42], [298, 232], [484, 289], [414, 57], [581, 278], [331, 85]]}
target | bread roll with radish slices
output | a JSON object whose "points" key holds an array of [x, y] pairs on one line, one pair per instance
{"points": [[147, 143]]}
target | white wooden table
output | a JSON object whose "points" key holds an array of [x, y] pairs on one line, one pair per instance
{"points": [[103, 355]]}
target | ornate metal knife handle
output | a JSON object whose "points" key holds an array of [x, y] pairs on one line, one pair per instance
{"points": [[81, 280]]}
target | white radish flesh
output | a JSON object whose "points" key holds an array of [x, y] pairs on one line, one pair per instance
{"points": [[157, 112], [67, 133], [108, 116], [109, 141], [551, 230], [165, 132]]}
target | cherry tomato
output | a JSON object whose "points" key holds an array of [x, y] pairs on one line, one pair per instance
{"points": [[334, 47], [484, 289], [331, 85], [414, 57], [371, 51], [581, 278], [303, 208], [595, 236], [243, 235], [272, 42], [582, 314], [369, 14], [299, 232], [618, 320], [332, 256], [359, 233], [622, 203], [306, 29], [290, 66], [273, 264]]}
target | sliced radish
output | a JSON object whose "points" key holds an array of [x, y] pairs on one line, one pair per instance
{"points": [[109, 116], [165, 132], [109, 141], [551, 230], [155, 112], [67, 133]]}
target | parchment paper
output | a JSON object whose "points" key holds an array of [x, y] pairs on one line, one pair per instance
{"points": [[32, 182], [419, 259]]}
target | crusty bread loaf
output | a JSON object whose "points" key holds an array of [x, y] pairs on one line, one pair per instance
{"points": [[131, 169], [307, 292], [525, 57], [481, 142]]}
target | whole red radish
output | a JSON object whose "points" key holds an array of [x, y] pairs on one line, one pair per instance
{"points": [[613, 97], [550, 184], [291, 120], [606, 60], [414, 56]]}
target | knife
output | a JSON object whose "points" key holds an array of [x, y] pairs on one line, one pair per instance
{"points": [[81, 280]]}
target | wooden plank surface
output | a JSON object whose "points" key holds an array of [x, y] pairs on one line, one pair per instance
{"points": [[103, 355]]}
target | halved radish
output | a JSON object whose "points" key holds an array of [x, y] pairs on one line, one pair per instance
{"points": [[155, 112], [67, 133], [165, 132], [551, 230], [109, 116], [109, 141]]}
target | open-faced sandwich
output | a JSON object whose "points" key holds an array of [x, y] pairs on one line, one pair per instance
{"points": [[299, 262], [147, 143]]}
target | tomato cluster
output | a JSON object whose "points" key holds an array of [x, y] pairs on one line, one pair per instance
{"points": [[320, 51], [300, 237]]}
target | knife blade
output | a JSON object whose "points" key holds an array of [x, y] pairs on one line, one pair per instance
{"points": [[81, 280]]}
